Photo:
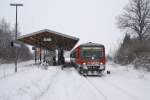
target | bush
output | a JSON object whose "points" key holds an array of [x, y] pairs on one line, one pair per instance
{"points": [[131, 49]]}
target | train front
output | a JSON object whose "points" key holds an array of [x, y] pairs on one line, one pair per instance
{"points": [[93, 60]]}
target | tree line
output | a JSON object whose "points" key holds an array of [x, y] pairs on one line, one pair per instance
{"points": [[7, 52], [135, 24]]}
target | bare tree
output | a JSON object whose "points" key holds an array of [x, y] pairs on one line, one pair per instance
{"points": [[136, 18], [6, 51], [5, 39]]}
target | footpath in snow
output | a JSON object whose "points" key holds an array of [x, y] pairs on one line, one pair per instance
{"points": [[35, 83]]}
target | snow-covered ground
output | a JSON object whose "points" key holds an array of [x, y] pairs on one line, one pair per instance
{"points": [[35, 83], [9, 69]]}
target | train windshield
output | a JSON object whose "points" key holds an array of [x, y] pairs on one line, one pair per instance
{"points": [[92, 52]]}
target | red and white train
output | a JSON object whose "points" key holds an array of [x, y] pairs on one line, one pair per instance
{"points": [[89, 58]]}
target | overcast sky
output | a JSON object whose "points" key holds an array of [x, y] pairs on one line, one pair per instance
{"points": [[89, 20]]}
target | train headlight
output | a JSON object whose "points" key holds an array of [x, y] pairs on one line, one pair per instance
{"points": [[84, 63], [101, 63]]}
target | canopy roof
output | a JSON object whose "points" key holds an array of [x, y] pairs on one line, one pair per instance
{"points": [[49, 39]]}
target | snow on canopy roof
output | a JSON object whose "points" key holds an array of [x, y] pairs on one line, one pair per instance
{"points": [[91, 44], [56, 40], [50, 31]]}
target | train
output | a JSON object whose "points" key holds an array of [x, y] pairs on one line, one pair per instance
{"points": [[89, 58]]}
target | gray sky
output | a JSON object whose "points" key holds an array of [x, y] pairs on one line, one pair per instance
{"points": [[89, 20]]}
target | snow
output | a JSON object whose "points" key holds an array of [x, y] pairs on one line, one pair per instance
{"points": [[33, 82], [9, 69]]}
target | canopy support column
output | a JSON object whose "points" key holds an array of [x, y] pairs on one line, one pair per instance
{"points": [[35, 55], [40, 55], [61, 59]]}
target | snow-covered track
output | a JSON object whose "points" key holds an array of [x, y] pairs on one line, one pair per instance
{"points": [[109, 84], [95, 88], [119, 89]]}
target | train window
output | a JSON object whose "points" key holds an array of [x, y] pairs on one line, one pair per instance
{"points": [[70, 55], [73, 55], [89, 52]]}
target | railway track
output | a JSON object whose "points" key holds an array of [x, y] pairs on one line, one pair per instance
{"points": [[110, 84], [96, 89], [120, 89]]}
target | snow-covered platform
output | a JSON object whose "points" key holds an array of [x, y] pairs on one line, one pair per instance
{"points": [[35, 83]]}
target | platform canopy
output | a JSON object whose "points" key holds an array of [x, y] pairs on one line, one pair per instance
{"points": [[49, 39]]}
